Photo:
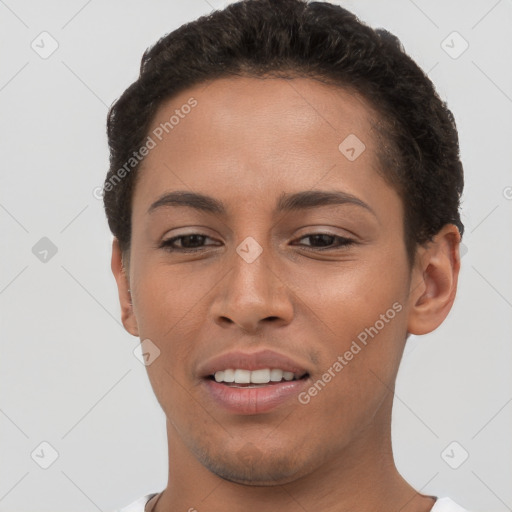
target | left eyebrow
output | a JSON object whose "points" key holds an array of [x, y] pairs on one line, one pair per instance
{"points": [[286, 202], [317, 198]]}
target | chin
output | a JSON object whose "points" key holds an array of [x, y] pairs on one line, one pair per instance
{"points": [[259, 471]]}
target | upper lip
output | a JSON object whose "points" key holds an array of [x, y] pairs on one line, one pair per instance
{"points": [[251, 361]]}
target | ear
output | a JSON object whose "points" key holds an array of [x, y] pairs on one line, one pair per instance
{"points": [[434, 281], [123, 288]]}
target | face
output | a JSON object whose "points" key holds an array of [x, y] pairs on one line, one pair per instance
{"points": [[296, 261]]}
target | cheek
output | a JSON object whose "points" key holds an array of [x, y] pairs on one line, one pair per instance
{"points": [[360, 360], [357, 298], [168, 308], [169, 297], [365, 312], [170, 311]]}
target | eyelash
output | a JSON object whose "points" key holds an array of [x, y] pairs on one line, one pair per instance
{"points": [[342, 243]]}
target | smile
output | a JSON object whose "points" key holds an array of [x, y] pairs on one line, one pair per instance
{"points": [[247, 378]]}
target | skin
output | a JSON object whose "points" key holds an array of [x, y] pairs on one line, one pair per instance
{"points": [[247, 141]]}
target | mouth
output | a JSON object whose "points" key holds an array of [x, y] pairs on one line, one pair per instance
{"points": [[241, 378], [253, 383]]}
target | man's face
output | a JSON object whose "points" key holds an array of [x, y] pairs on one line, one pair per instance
{"points": [[304, 303]]}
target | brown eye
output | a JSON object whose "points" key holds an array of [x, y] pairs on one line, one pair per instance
{"points": [[188, 243], [323, 241]]}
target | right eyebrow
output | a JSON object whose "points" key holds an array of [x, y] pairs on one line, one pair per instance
{"points": [[191, 199]]}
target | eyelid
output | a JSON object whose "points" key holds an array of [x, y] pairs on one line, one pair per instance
{"points": [[326, 229]]}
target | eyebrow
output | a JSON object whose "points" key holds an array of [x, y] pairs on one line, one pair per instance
{"points": [[287, 202]]}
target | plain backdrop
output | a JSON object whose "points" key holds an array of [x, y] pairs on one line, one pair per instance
{"points": [[73, 394]]}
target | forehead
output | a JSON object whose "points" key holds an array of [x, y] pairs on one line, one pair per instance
{"points": [[260, 134], [254, 107]]}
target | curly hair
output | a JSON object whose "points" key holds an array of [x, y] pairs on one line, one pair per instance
{"points": [[419, 155]]}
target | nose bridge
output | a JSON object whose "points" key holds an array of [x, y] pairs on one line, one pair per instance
{"points": [[252, 290], [252, 278]]}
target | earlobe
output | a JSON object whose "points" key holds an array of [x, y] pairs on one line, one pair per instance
{"points": [[434, 281], [123, 288]]}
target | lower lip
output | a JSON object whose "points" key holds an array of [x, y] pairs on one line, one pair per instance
{"points": [[254, 400]]}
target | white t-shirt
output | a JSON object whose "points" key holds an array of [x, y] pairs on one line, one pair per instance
{"points": [[441, 505]]}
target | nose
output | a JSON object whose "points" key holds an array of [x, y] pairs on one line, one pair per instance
{"points": [[253, 294]]}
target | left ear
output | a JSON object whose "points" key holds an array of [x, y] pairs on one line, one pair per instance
{"points": [[434, 281]]}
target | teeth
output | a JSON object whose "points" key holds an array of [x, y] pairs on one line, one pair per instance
{"points": [[276, 375], [242, 376], [263, 376], [260, 376], [229, 375]]}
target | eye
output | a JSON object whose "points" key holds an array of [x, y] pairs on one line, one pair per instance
{"points": [[196, 241], [322, 241], [189, 243]]}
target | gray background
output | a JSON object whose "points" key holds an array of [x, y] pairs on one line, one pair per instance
{"points": [[68, 372]]}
